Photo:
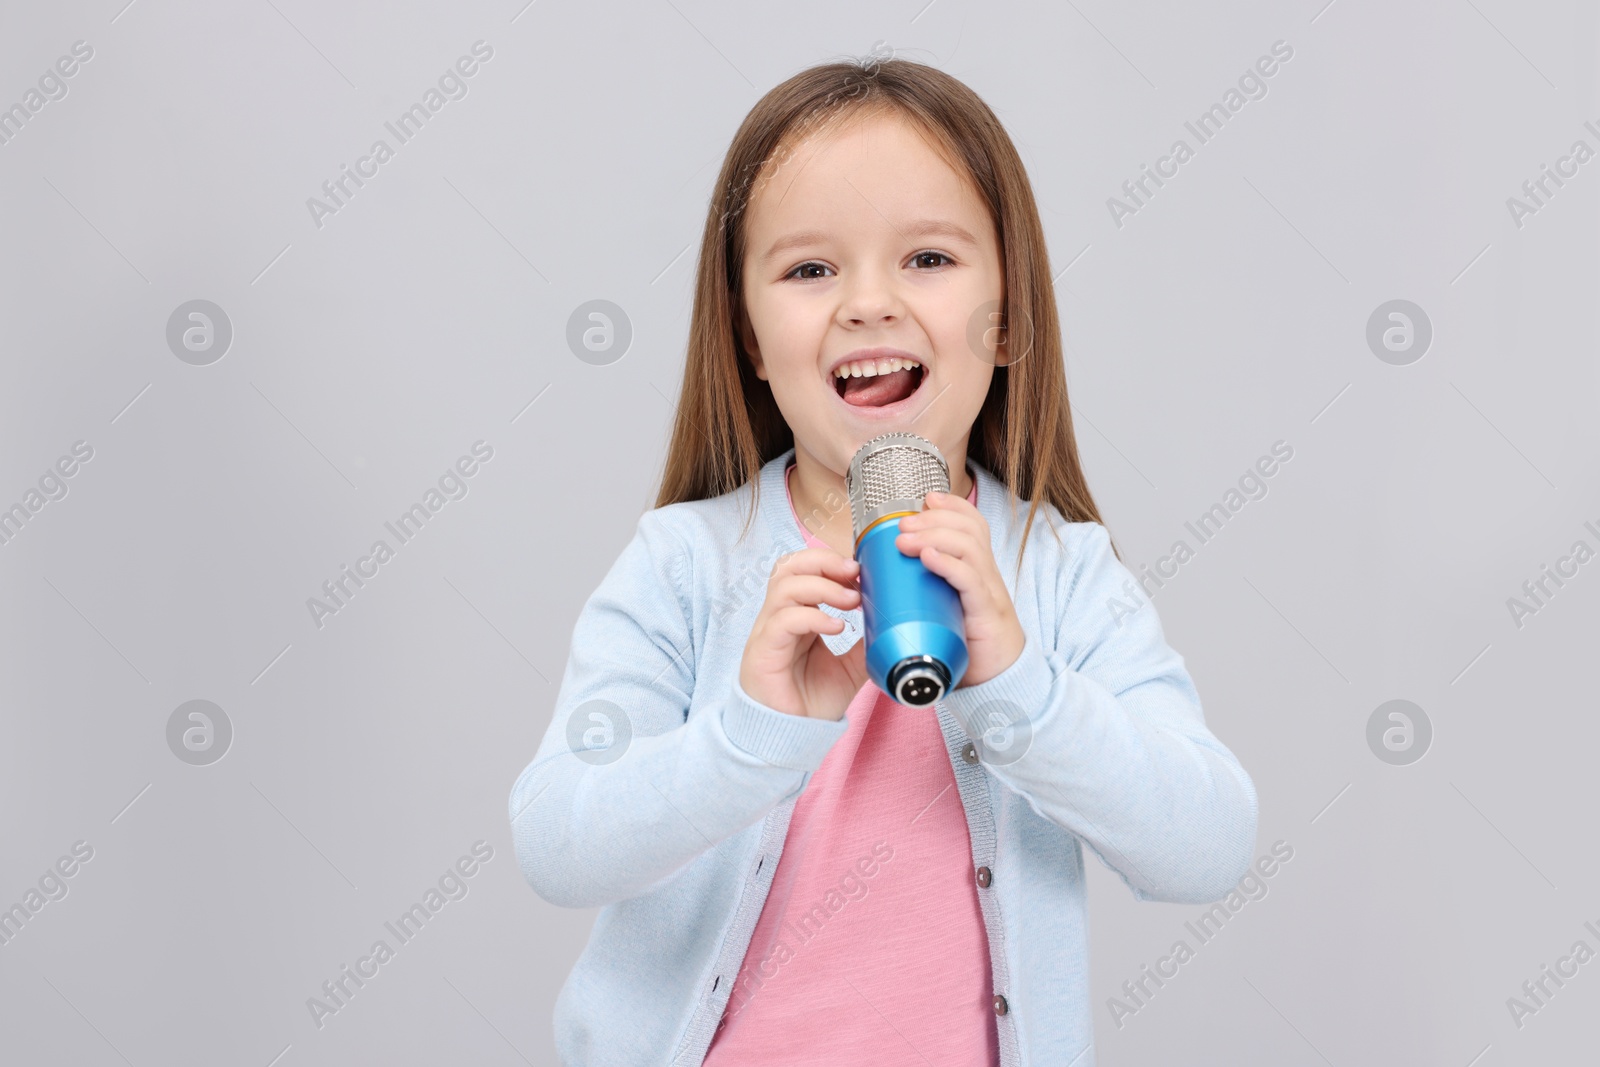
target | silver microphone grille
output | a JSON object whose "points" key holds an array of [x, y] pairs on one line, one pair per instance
{"points": [[892, 472]]}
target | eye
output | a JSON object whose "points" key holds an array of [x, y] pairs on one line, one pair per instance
{"points": [[930, 252], [809, 264]]}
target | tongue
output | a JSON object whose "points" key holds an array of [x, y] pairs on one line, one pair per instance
{"points": [[880, 389]]}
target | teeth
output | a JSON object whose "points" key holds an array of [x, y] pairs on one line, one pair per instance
{"points": [[871, 368]]}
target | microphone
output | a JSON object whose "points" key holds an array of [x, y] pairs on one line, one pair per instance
{"points": [[915, 633]]}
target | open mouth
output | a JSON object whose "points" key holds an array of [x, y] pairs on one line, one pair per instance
{"points": [[880, 390]]}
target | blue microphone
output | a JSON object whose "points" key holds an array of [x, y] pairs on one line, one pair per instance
{"points": [[915, 633]]}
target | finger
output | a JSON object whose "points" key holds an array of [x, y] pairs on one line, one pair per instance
{"points": [[939, 520], [823, 561], [962, 576], [797, 619], [945, 515], [811, 590], [936, 499], [951, 542], [959, 511]]}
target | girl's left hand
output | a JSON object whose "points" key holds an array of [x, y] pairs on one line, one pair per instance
{"points": [[952, 540]]}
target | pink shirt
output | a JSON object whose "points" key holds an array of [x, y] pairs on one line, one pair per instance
{"points": [[871, 946]]}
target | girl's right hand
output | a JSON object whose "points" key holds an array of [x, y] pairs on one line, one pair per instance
{"points": [[785, 665]]}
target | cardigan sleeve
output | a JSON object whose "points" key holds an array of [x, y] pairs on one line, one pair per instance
{"points": [[1102, 732], [628, 787]]}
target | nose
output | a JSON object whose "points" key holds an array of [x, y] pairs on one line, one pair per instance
{"points": [[870, 299]]}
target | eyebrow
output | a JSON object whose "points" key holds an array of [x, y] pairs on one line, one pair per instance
{"points": [[917, 228]]}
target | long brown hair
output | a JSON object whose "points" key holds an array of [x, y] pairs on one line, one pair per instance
{"points": [[728, 425]]}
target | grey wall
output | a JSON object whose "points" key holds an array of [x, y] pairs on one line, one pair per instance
{"points": [[368, 751]]}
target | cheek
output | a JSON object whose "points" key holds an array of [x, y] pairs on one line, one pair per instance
{"points": [[792, 331], [963, 339], [767, 309], [793, 320], [958, 314], [965, 371]]}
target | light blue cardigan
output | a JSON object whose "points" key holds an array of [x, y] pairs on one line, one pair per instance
{"points": [[1094, 736]]}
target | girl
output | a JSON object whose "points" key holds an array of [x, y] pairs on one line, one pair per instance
{"points": [[791, 868]]}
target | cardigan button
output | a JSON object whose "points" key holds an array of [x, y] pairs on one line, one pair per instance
{"points": [[984, 877], [969, 752], [1000, 1006]]}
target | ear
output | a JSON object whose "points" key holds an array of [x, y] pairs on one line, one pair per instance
{"points": [[747, 338]]}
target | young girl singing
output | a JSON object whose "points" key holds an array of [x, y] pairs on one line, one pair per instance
{"points": [[791, 867]]}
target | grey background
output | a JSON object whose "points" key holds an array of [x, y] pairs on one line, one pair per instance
{"points": [[431, 312]]}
